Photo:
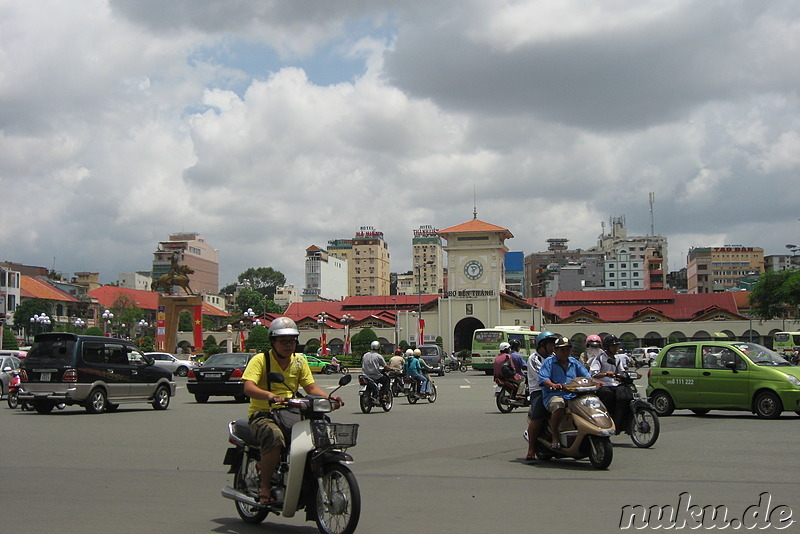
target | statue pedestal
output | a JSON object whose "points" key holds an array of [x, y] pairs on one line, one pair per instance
{"points": [[169, 308]]}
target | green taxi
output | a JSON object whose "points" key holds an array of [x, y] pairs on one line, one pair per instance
{"points": [[315, 364], [723, 375]]}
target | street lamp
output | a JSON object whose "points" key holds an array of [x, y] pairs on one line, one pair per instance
{"points": [[142, 324], [322, 318], [107, 316], [79, 323], [347, 320], [43, 320]]}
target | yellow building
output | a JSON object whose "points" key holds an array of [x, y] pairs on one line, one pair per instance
{"points": [[714, 269]]}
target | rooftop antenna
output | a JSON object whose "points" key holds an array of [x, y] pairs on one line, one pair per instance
{"points": [[474, 203], [652, 201]]}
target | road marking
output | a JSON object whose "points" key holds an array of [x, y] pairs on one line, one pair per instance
{"points": [[465, 387]]}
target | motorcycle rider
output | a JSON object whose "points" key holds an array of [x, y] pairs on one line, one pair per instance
{"points": [[520, 365], [556, 371], [265, 395], [373, 365], [593, 348], [396, 362], [545, 345], [604, 368], [500, 360], [413, 369]]}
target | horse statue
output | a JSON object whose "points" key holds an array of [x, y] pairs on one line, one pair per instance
{"points": [[178, 275]]}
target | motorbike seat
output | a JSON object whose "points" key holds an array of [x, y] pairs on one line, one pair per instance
{"points": [[241, 429]]}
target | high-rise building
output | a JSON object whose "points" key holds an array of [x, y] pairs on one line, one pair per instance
{"points": [[715, 269], [428, 257], [189, 249], [326, 275], [367, 256], [515, 273]]}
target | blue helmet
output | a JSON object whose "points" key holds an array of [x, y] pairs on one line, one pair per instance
{"points": [[544, 337]]}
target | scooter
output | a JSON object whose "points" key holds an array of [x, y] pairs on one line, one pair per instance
{"points": [[586, 427], [412, 392], [331, 368], [13, 391], [312, 473], [369, 395], [450, 365], [506, 398], [640, 421], [395, 382]]}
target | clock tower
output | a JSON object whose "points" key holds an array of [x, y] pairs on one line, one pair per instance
{"points": [[475, 259]]}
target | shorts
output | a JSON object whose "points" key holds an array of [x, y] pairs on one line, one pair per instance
{"points": [[555, 403], [266, 431], [536, 410]]}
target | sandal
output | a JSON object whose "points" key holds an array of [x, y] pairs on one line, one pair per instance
{"points": [[555, 445]]}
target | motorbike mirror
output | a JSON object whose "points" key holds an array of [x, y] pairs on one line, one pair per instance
{"points": [[276, 377], [345, 379]]}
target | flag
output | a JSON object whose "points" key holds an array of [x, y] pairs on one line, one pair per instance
{"points": [[198, 327]]}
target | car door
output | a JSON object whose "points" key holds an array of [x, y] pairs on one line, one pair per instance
{"points": [[720, 386], [678, 373], [116, 370], [143, 377]]}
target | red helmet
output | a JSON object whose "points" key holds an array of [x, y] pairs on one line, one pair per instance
{"points": [[593, 341]]}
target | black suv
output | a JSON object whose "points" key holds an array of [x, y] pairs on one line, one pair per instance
{"points": [[98, 373]]}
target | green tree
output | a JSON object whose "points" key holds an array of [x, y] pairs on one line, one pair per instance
{"points": [[403, 345], [774, 291], [265, 280], [312, 346], [210, 346], [146, 344], [185, 322], [27, 309], [440, 342], [361, 341], [9, 339], [94, 331], [258, 339]]}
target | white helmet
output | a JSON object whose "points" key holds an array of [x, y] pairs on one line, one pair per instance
{"points": [[504, 347], [409, 353], [283, 326], [375, 345]]}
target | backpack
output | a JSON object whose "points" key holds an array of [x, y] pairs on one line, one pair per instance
{"points": [[507, 371]]}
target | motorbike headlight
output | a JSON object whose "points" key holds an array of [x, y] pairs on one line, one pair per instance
{"points": [[322, 405], [793, 379]]}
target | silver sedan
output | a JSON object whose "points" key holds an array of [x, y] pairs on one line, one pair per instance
{"points": [[169, 362]]}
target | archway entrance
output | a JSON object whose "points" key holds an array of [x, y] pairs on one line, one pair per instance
{"points": [[462, 333]]}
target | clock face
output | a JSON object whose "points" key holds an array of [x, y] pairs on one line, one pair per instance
{"points": [[473, 269]]}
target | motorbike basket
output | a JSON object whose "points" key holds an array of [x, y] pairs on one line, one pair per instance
{"points": [[338, 435]]}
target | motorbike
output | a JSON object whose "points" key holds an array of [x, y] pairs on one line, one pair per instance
{"points": [[586, 427], [13, 391], [369, 395], [640, 420], [506, 398], [450, 365], [395, 382], [412, 392], [331, 368], [312, 474]]}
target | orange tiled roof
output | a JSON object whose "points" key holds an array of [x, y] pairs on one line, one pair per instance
{"points": [[476, 226], [36, 288], [146, 300]]}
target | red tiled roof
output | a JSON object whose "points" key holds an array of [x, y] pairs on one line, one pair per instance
{"points": [[146, 300], [381, 308], [35, 288], [475, 226], [622, 306]]}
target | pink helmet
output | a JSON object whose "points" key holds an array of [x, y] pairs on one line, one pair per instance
{"points": [[594, 341]]}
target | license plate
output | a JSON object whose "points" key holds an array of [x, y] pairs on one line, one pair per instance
{"points": [[213, 375], [44, 377]]}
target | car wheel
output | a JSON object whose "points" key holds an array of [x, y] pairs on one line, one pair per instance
{"points": [[662, 403], [768, 405], [202, 399], [161, 398], [96, 403], [182, 371]]}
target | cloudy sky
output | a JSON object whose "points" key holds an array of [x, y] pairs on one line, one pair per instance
{"points": [[270, 126]]}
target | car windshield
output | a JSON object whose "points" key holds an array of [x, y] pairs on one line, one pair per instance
{"points": [[761, 355], [429, 351], [53, 351], [233, 360]]}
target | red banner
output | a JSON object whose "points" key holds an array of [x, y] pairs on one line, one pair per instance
{"points": [[421, 339], [198, 328]]}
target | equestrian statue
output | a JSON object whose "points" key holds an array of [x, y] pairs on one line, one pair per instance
{"points": [[178, 275]]}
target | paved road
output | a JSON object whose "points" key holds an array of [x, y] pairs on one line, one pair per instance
{"points": [[452, 466]]}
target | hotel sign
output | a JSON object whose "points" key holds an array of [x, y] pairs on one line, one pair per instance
{"points": [[733, 249], [369, 231], [426, 230]]}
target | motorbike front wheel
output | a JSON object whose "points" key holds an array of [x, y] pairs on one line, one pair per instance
{"points": [[503, 400], [462, 368], [247, 481], [12, 400], [600, 452], [365, 401], [644, 427], [338, 503], [387, 403], [432, 394]]}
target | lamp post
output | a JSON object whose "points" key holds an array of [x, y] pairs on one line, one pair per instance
{"points": [[142, 324], [248, 314], [322, 318], [347, 320], [42, 320], [107, 316], [79, 323]]}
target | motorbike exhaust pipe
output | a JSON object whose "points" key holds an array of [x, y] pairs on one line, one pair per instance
{"points": [[236, 495]]}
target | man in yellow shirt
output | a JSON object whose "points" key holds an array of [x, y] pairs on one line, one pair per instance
{"points": [[266, 397]]}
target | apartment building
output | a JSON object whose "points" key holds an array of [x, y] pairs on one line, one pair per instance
{"points": [[715, 269], [191, 250]]}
